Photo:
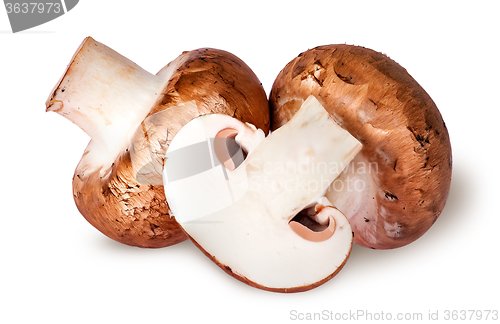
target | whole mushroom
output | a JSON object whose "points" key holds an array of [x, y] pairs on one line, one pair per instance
{"points": [[131, 117], [397, 186]]}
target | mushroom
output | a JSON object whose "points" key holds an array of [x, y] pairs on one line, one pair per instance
{"points": [[131, 117], [397, 186], [262, 217]]}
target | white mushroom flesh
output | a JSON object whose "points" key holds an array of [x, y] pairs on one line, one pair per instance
{"points": [[241, 218], [108, 96]]}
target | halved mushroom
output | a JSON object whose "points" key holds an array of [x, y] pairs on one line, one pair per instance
{"points": [[131, 117], [396, 187], [265, 221]]}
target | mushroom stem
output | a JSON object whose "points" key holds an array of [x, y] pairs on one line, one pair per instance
{"points": [[106, 95]]}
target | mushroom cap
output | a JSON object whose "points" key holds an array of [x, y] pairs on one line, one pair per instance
{"points": [[397, 186], [134, 211]]}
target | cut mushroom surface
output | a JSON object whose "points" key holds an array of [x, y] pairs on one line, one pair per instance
{"points": [[397, 186], [309, 228], [131, 116], [246, 222]]}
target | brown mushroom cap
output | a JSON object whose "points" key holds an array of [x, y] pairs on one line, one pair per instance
{"points": [[401, 179], [136, 213]]}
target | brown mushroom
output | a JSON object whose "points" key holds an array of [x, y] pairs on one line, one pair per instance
{"points": [[131, 117], [397, 186]]}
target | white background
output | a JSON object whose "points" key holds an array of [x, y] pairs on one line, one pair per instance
{"points": [[56, 268]]}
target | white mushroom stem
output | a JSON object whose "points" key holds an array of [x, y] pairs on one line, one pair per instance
{"points": [[244, 217], [107, 96]]}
